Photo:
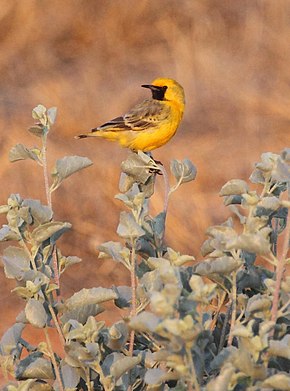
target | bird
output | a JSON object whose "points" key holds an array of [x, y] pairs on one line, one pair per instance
{"points": [[151, 123]]}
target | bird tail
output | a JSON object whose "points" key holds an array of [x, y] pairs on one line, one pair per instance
{"points": [[85, 135]]}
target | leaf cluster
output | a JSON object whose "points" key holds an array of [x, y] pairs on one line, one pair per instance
{"points": [[221, 323]]}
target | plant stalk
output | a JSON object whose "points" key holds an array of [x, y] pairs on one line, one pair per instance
{"points": [[53, 360], [133, 288]]}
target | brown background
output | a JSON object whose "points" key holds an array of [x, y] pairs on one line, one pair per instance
{"points": [[89, 59]]}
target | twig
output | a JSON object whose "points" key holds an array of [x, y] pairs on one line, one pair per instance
{"points": [[53, 360], [133, 301], [45, 170], [224, 328], [194, 380], [166, 187], [49, 201], [55, 320], [281, 267], [233, 308]]}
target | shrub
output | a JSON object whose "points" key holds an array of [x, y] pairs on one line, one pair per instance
{"points": [[218, 324]]}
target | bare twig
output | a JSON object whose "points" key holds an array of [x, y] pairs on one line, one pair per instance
{"points": [[133, 287], [53, 360], [282, 257]]}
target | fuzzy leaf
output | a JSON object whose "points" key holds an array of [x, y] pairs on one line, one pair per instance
{"points": [[37, 129], [41, 213], [81, 313], [123, 364], [280, 348], [90, 296], [136, 167], [117, 336], [20, 152], [279, 381], [67, 166], [51, 115], [11, 338], [128, 228], [16, 262], [184, 171], [154, 376], [35, 313], [7, 234], [234, 187], [114, 250], [34, 366], [144, 322], [222, 265], [252, 242], [53, 230]]}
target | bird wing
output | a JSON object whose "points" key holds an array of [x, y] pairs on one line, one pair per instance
{"points": [[150, 113]]}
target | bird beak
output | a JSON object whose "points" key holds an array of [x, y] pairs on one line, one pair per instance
{"points": [[151, 87]]}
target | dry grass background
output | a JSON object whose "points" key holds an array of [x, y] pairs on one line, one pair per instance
{"points": [[89, 58]]}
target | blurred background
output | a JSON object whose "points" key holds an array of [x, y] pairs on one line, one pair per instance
{"points": [[89, 58]]}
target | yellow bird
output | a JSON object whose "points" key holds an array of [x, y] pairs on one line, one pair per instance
{"points": [[151, 123]]}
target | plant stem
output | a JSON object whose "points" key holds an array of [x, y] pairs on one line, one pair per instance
{"points": [[49, 202], [194, 380], [166, 186], [133, 288], [233, 308], [53, 360], [45, 170], [55, 320], [281, 267]]}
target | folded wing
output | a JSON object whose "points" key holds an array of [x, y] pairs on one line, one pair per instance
{"points": [[148, 114]]}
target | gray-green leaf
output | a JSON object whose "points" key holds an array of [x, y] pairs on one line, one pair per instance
{"points": [[16, 262], [20, 152], [35, 313], [91, 296]]}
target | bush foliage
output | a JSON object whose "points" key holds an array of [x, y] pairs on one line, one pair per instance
{"points": [[218, 324]]}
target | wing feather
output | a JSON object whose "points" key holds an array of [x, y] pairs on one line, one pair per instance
{"points": [[143, 116]]}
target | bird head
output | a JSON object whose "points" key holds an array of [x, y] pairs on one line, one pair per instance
{"points": [[166, 89]]}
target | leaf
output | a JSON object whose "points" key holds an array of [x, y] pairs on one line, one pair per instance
{"points": [[67, 166], [41, 213], [81, 313], [39, 112], [65, 262], [4, 209], [136, 167], [114, 250], [183, 171], [70, 376], [280, 348], [20, 152], [16, 262], [223, 380], [11, 338], [37, 129], [128, 228], [155, 376], [51, 115], [222, 265], [124, 296], [234, 187], [52, 230], [117, 336], [35, 313], [257, 243], [7, 234], [91, 296], [144, 322], [279, 381], [34, 366], [121, 364]]}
